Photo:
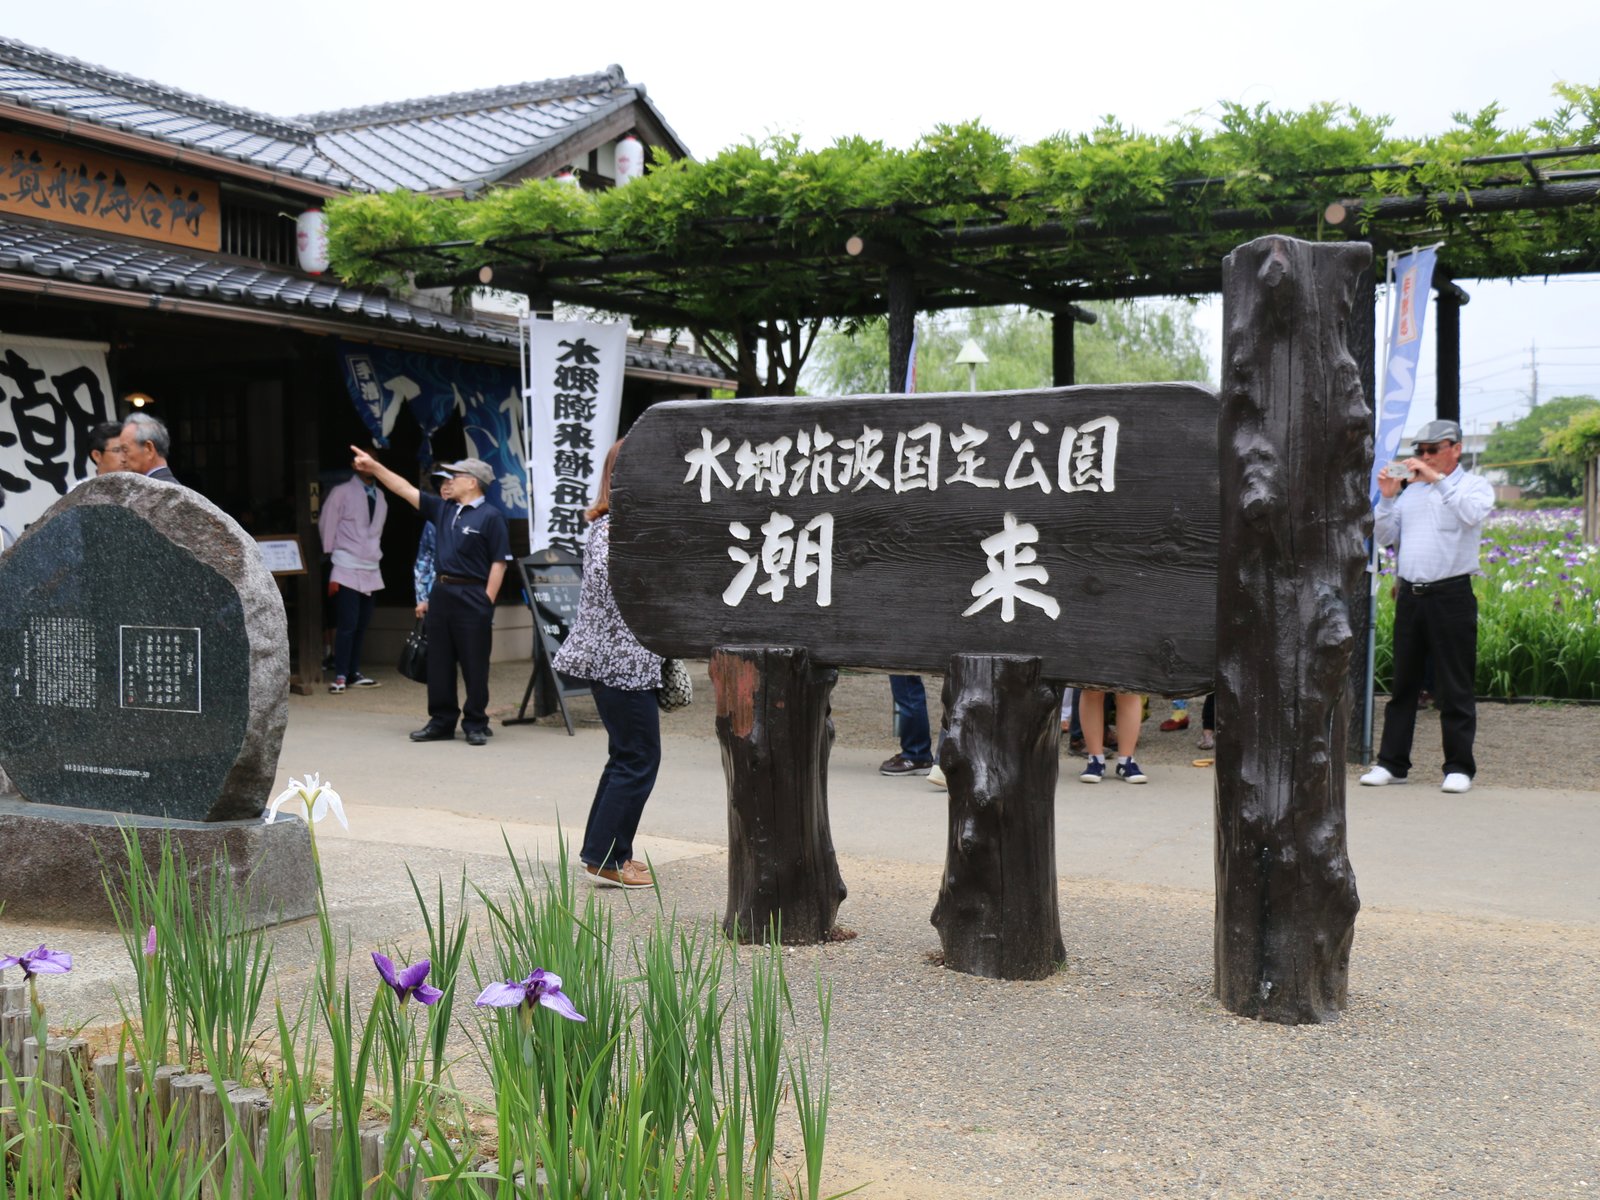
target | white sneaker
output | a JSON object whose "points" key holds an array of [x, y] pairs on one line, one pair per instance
{"points": [[1380, 777], [1457, 782], [936, 777]]}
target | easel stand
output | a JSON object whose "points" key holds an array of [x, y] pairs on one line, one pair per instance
{"points": [[997, 914], [775, 728]]}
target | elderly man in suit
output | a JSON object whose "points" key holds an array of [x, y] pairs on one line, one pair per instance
{"points": [[145, 446]]}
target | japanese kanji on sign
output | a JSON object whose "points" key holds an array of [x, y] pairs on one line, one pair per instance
{"points": [[574, 400], [1076, 524]]}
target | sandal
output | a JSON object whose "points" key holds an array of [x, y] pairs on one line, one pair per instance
{"points": [[1208, 741]]}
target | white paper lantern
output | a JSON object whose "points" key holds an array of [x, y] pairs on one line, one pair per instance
{"points": [[311, 241], [569, 177], [630, 159]]}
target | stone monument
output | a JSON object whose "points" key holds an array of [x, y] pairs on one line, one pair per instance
{"points": [[144, 672]]}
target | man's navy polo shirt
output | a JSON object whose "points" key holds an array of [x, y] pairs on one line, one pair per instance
{"points": [[470, 540]]}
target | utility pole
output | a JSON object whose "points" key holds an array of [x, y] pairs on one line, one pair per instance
{"points": [[1533, 365]]}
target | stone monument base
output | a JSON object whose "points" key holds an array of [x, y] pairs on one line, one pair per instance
{"points": [[54, 858]]}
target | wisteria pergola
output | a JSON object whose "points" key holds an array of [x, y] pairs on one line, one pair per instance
{"points": [[755, 286]]}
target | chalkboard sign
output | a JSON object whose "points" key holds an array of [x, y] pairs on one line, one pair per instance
{"points": [[551, 581]]}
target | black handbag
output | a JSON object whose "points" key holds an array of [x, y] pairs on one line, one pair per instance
{"points": [[413, 662]]}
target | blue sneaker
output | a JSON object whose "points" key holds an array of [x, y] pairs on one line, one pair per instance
{"points": [[1129, 772], [1093, 771]]}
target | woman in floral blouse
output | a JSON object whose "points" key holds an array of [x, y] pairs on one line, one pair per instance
{"points": [[623, 677]]}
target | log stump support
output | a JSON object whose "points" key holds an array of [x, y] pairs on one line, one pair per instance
{"points": [[776, 731], [1296, 450], [997, 913]]}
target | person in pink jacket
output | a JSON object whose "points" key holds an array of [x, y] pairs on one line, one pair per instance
{"points": [[351, 523]]}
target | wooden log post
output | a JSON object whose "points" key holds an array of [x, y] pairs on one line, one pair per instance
{"points": [[774, 726], [1295, 452], [997, 913]]}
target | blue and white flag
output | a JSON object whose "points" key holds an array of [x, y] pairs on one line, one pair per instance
{"points": [[1412, 282]]}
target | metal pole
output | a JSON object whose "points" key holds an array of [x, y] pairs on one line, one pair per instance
{"points": [[1368, 701]]}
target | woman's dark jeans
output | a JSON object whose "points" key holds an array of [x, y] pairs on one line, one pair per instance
{"points": [[633, 722]]}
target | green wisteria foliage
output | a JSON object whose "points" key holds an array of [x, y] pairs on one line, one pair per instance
{"points": [[1131, 205]]}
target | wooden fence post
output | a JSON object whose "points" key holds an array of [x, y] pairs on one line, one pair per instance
{"points": [[1295, 452], [775, 729], [997, 913]]}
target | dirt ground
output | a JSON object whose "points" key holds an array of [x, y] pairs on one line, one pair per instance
{"points": [[1515, 741]]}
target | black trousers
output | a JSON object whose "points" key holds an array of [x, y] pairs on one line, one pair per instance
{"points": [[1439, 623], [460, 626]]}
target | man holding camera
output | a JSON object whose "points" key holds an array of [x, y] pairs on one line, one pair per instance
{"points": [[1436, 519]]}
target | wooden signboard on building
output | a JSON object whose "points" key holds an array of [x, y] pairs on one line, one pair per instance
{"points": [[1076, 524], [73, 186]]}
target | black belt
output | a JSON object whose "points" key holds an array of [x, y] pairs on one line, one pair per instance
{"points": [[1437, 585], [462, 579]]}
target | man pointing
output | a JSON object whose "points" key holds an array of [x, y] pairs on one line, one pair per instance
{"points": [[472, 549]]}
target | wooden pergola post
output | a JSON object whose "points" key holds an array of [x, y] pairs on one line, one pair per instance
{"points": [[1447, 347], [902, 323], [1063, 349]]}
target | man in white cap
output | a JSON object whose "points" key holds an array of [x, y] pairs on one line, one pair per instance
{"points": [[1437, 521], [473, 548]]}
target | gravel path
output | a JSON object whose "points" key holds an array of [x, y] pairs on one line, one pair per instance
{"points": [[1468, 1062]]}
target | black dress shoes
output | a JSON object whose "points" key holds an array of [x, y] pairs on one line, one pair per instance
{"points": [[432, 733], [477, 737]]}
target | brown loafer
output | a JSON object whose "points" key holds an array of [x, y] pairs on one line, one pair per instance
{"points": [[631, 875]]}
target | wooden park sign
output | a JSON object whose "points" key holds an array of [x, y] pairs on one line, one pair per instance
{"points": [[1146, 538], [1078, 525]]}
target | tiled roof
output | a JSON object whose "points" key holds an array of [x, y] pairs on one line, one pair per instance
{"points": [[467, 139], [53, 252], [55, 83]]}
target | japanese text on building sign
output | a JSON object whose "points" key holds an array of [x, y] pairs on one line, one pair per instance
{"points": [[1037, 462], [97, 191]]}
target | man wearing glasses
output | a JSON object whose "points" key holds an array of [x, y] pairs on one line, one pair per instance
{"points": [[1437, 522]]}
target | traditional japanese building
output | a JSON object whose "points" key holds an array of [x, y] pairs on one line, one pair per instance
{"points": [[149, 257]]}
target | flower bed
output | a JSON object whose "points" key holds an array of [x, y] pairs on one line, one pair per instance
{"points": [[1538, 609], [665, 1075]]}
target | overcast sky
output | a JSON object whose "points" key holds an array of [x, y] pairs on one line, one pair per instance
{"points": [[721, 72]]}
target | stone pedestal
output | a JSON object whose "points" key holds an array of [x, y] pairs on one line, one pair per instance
{"points": [[55, 857]]}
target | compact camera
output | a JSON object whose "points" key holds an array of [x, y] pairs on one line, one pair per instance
{"points": [[1396, 470]]}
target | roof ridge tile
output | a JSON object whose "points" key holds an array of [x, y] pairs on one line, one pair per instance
{"points": [[613, 78], [61, 66]]}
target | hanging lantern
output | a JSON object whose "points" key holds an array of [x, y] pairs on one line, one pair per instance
{"points": [[630, 159], [311, 241], [569, 177]]}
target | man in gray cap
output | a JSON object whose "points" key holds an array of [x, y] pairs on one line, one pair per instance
{"points": [[1437, 522], [472, 549]]}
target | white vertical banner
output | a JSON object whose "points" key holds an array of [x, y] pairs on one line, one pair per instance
{"points": [[574, 398], [52, 395]]}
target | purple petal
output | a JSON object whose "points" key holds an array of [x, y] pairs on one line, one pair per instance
{"points": [[47, 962], [541, 980], [150, 942], [558, 1001], [501, 995], [426, 993], [413, 975], [385, 967]]}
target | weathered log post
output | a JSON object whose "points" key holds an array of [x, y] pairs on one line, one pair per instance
{"points": [[774, 724], [1295, 452], [997, 913]]}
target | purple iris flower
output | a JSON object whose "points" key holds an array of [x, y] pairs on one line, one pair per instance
{"points": [[407, 982], [541, 987], [150, 943], [39, 962]]}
